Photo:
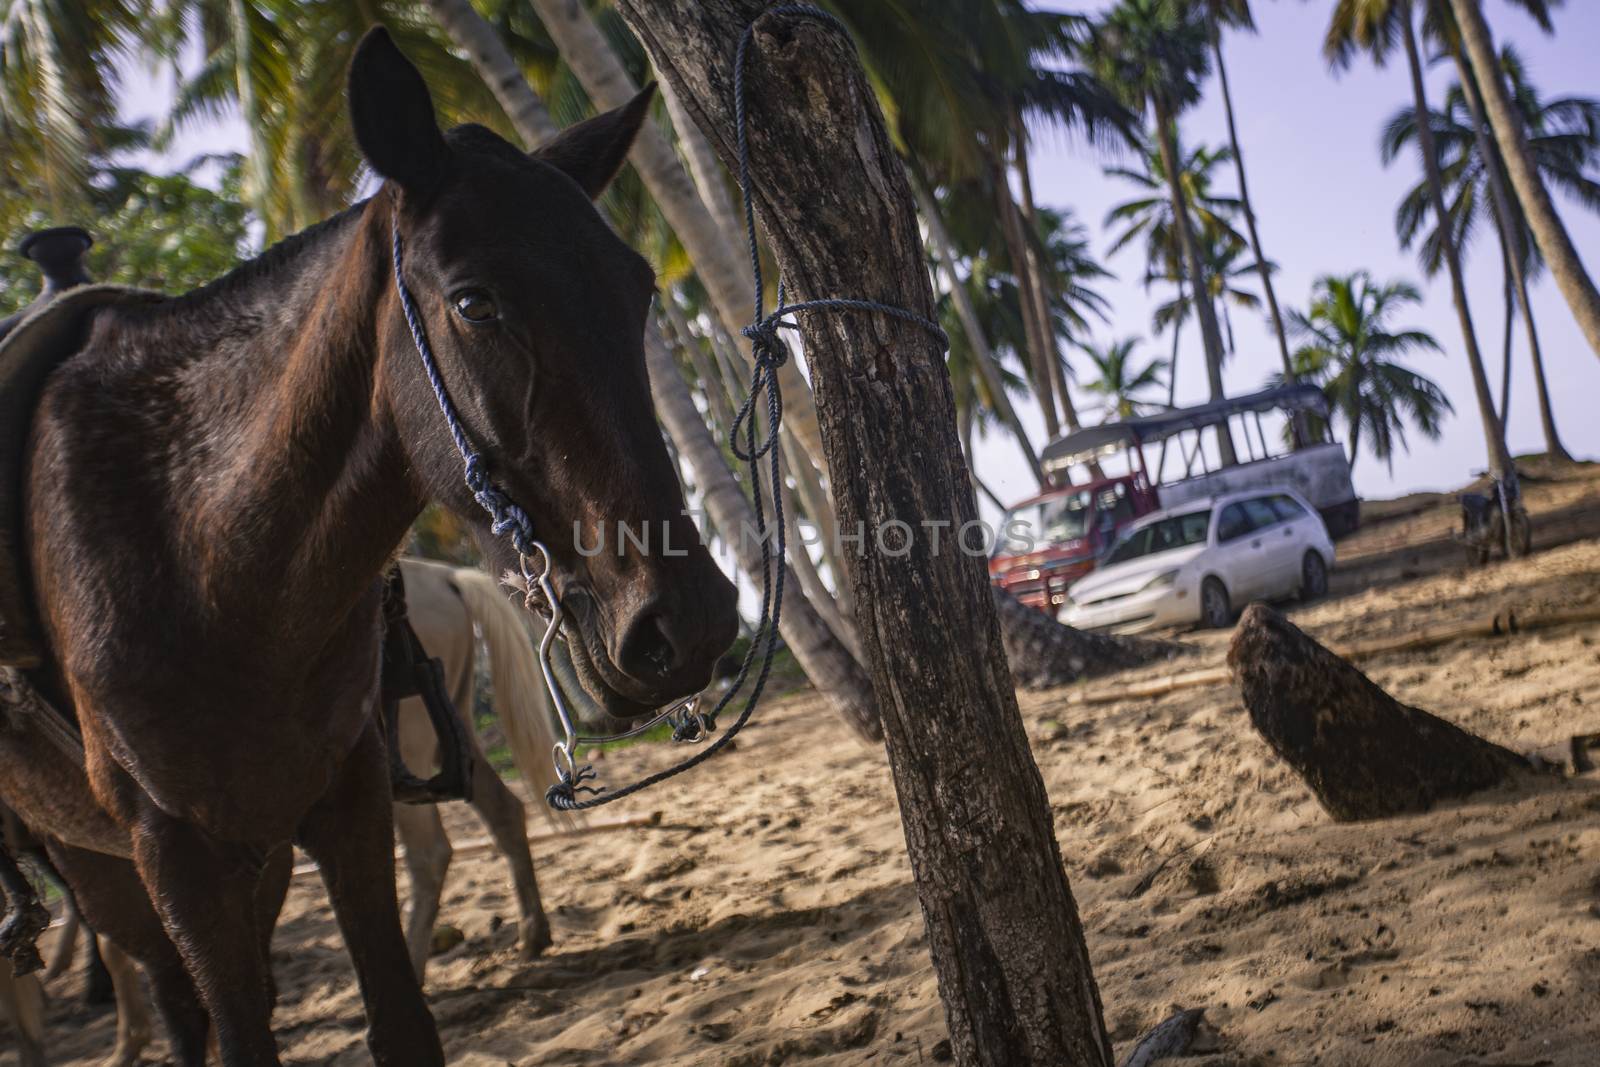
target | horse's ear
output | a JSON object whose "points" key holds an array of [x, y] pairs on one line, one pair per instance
{"points": [[391, 113], [592, 151]]}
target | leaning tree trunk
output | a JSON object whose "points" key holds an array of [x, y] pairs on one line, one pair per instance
{"points": [[1513, 238], [826, 661], [1554, 241], [718, 261], [824, 658], [1002, 927], [1209, 334], [1364, 754], [1036, 267], [1043, 653], [1500, 464], [1040, 344], [982, 354], [1298, 422]]}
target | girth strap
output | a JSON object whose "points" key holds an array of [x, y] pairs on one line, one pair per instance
{"points": [[408, 671]]}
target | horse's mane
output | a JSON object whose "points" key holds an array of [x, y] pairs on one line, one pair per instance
{"points": [[265, 264]]}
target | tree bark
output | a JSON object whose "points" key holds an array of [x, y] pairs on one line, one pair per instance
{"points": [[983, 355], [1043, 653], [1262, 267], [824, 658], [1003, 930], [1493, 432], [1209, 334], [1513, 239], [720, 264], [1363, 753], [1554, 241]]}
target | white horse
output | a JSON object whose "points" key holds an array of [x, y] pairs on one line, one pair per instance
{"points": [[445, 603]]}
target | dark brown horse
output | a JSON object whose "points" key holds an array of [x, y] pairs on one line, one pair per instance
{"points": [[216, 482]]}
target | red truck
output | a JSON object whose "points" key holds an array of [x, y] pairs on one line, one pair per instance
{"points": [[1049, 541]]}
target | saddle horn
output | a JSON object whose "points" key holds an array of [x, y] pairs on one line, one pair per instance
{"points": [[59, 253]]}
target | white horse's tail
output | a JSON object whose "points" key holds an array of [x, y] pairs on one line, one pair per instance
{"points": [[519, 693]]}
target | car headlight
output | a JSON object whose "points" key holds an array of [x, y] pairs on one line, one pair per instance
{"points": [[1162, 580]]}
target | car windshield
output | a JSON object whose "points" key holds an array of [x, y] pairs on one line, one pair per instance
{"points": [[1176, 531], [1045, 522]]}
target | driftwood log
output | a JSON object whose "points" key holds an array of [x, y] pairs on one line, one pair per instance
{"points": [[1044, 653], [1172, 1037], [1364, 754]]}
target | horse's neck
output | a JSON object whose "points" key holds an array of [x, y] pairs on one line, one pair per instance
{"points": [[307, 491]]}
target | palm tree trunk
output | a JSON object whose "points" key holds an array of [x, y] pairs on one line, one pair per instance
{"points": [[1554, 241], [1511, 323], [704, 167], [1494, 435], [1514, 243], [1039, 346], [493, 61], [249, 108], [723, 269], [988, 366], [1250, 217], [821, 654], [1041, 293], [1209, 332]]}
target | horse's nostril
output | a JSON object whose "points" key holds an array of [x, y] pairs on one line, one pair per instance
{"points": [[648, 651]]}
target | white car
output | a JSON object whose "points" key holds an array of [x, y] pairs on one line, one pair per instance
{"points": [[1194, 562]]}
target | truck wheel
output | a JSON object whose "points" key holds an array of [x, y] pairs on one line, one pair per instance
{"points": [[1216, 611], [1313, 577]]}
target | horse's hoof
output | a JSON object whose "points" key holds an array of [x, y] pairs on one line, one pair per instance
{"points": [[19, 936]]}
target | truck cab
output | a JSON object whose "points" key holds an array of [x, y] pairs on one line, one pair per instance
{"points": [[1051, 540]]}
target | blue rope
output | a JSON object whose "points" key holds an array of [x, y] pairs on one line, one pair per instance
{"points": [[505, 517]]}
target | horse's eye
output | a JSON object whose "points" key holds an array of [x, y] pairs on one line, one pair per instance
{"points": [[475, 305]]}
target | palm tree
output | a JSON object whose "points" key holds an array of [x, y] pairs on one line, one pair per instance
{"points": [[1223, 272], [1512, 137], [1372, 26], [1564, 135], [1121, 377], [1236, 14], [1153, 53], [1349, 348]]}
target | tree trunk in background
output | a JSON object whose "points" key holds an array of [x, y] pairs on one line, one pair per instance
{"points": [[1364, 754], [988, 366], [1036, 267], [705, 168], [1250, 217], [1002, 927], [1207, 314], [828, 664], [1554, 241], [1039, 346], [1494, 434], [824, 658], [1511, 325], [1513, 240], [1043, 653], [721, 265]]}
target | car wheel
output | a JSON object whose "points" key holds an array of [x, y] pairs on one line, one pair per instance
{"points": [[1313, 577], [1216, 611]]}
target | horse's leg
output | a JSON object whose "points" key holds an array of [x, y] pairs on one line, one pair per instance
{"points": [[66, 949], [422, 833], [507, 821], [270, 894], [99, 987], [350, 835], [133, 1014], [114, 901], [205, 892], [22, 998], [427, 861]]}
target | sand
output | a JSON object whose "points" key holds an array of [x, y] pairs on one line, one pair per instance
{"points": [[770, 916]]}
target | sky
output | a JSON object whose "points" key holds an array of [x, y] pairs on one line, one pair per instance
{"points": [[1325, 204]]}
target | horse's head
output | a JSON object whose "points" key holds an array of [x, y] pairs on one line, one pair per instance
{"points": [[535, 311]]}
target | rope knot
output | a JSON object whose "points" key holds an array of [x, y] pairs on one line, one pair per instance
{"points": [[767, 348]]}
